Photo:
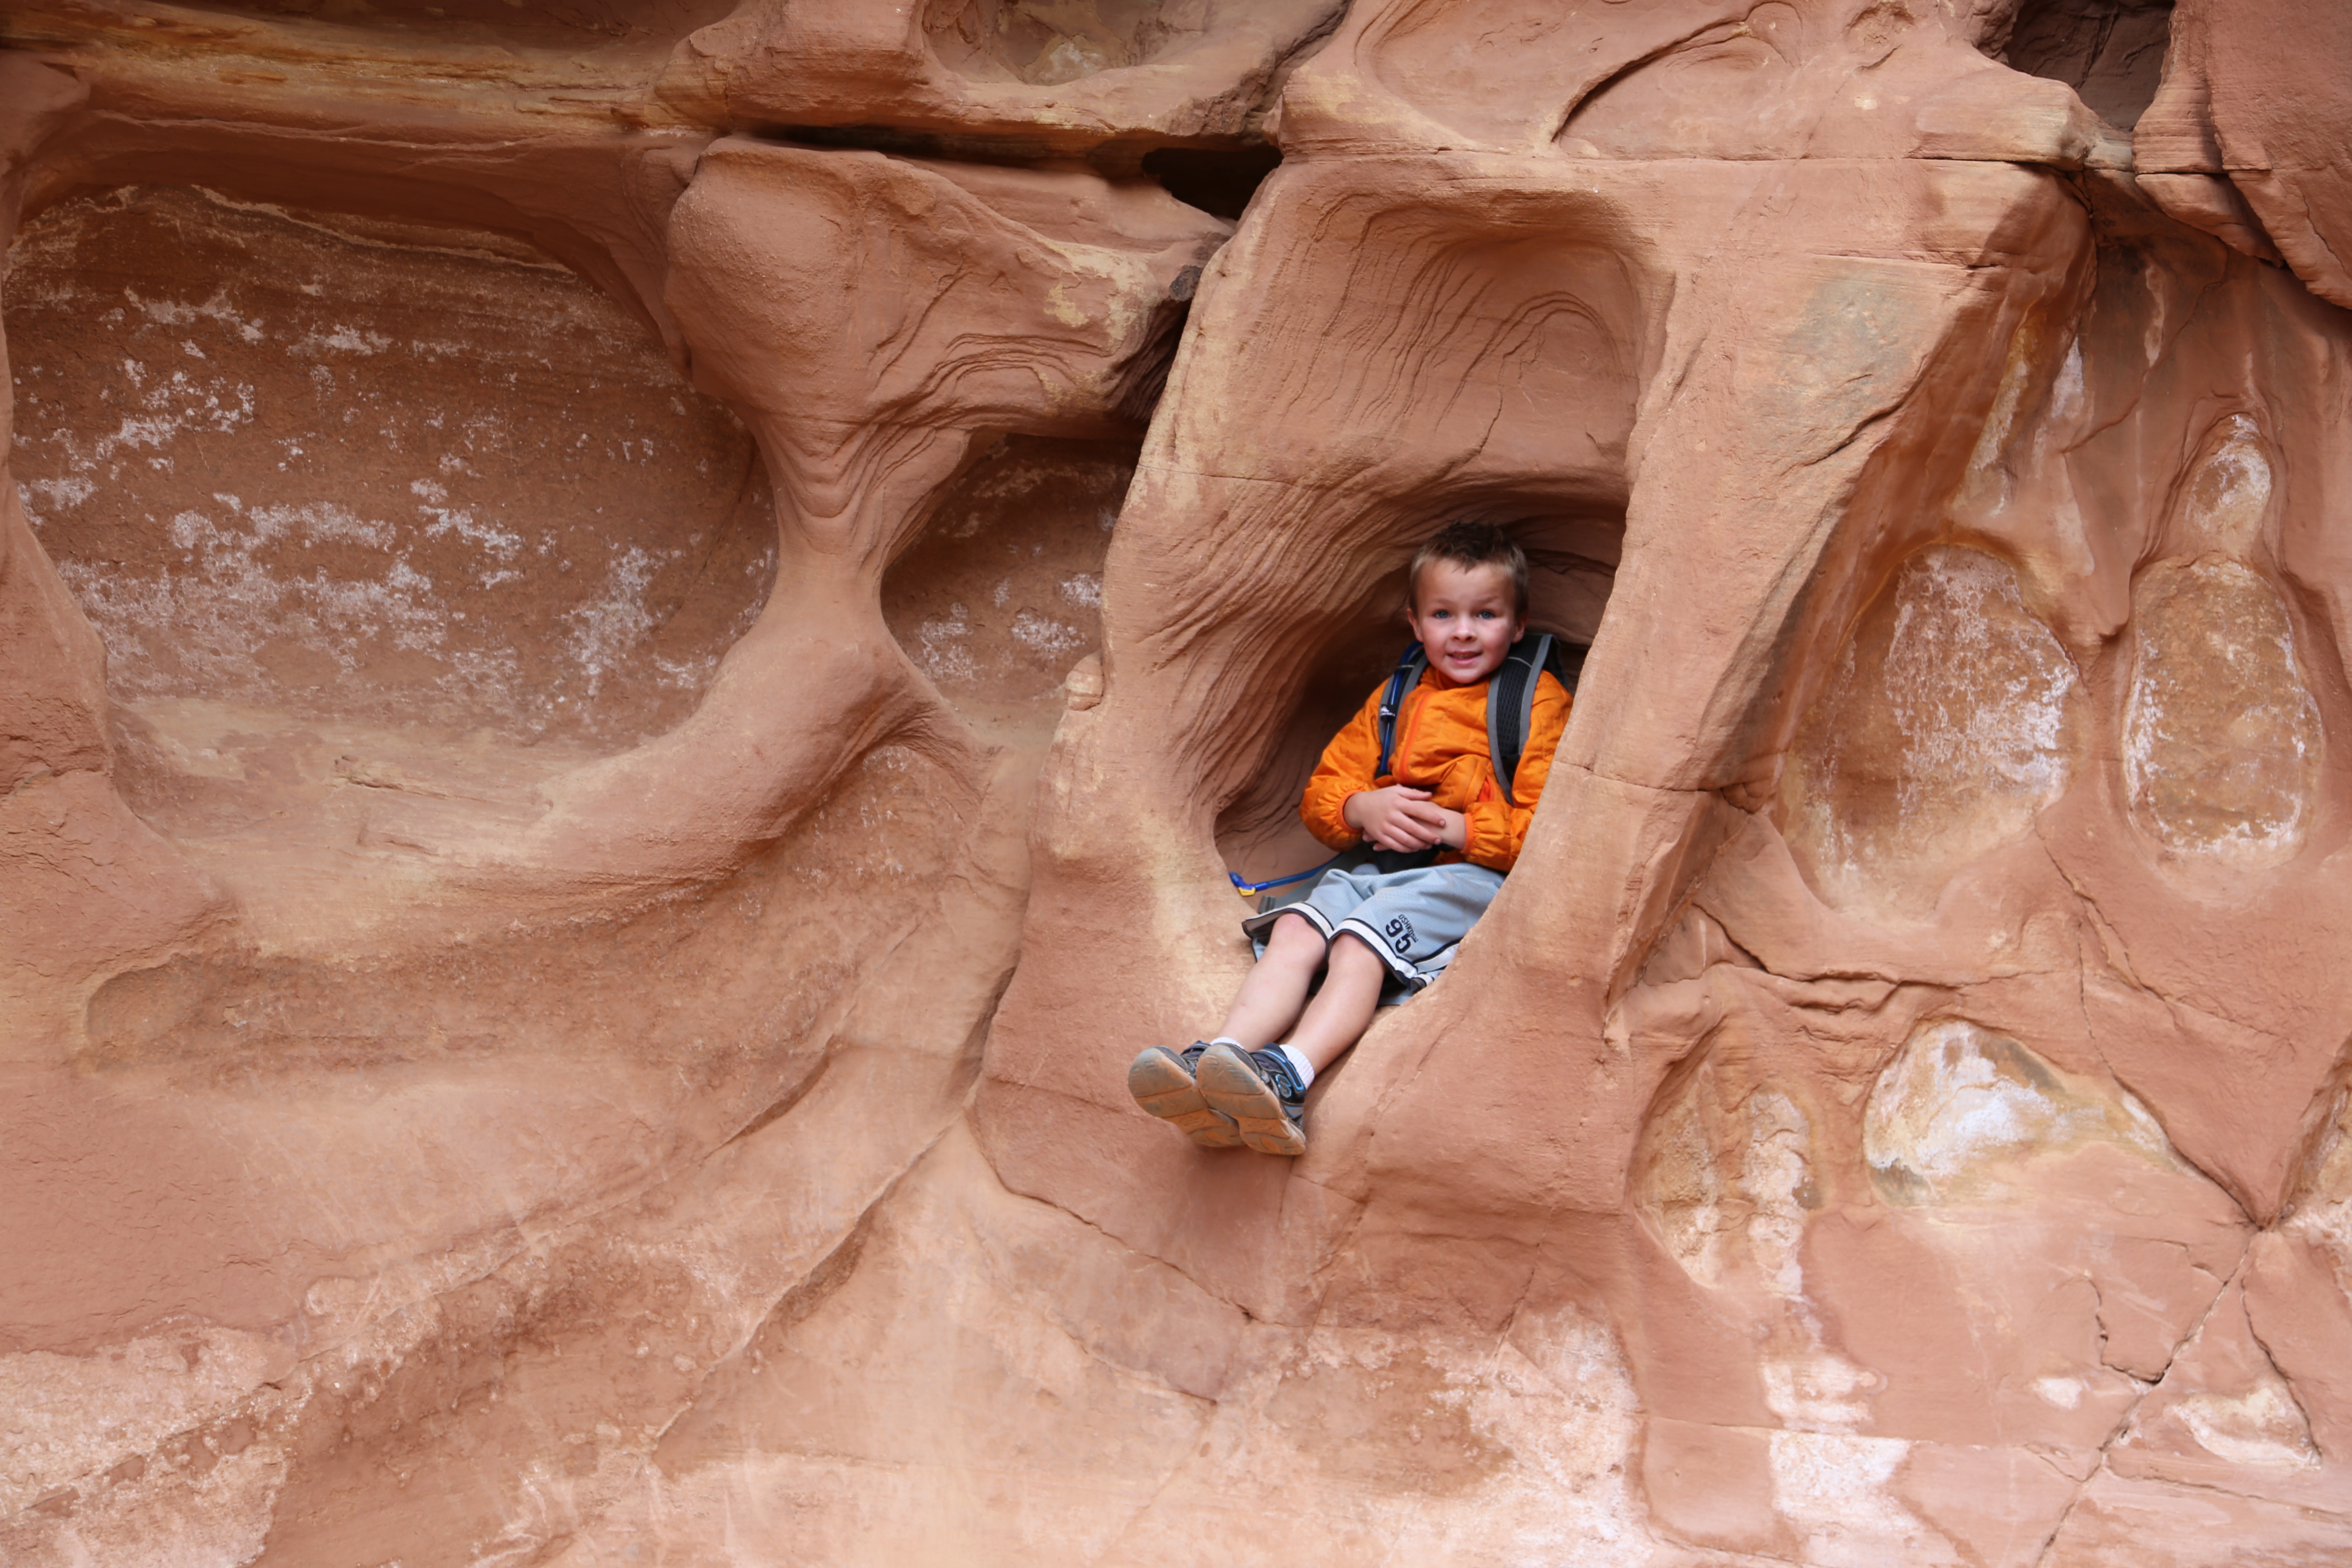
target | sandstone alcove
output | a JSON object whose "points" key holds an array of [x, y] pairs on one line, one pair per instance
{"points": [[2111, 52], [1003, 593], [323, 485], [2221, 742], [1572, 562], [1948, 723]]}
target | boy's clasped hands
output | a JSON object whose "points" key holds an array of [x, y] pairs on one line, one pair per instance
{"points": [[1403, 818]]}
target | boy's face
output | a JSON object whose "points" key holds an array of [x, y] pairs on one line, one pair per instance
{"points": [[1466, 620]]}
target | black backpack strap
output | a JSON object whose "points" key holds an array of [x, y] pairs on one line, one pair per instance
{"points": [[1402, 680], [1511, 703]]}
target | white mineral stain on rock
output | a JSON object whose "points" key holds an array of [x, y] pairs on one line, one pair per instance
{"points": [[1520, 1441], [2059, 1392], [177, 313], [1063, 308], [1941, 733], [2067, 399], [1775, 1178], [497, 542], [1678, 1186], [1814, 1389], [1728, 1187], [1044, 635], [1959, 1107], [2228, 494], [2320, 1213], [1832, 1488], [317, 522], [64, 1417], [405, 415], [54, 494], [2262, 1425], [2222, 740], [1829, 1482], [1001, 595], [232, 620], [345, 340], [167, 1516], [1727, 1180], [939, 647]]}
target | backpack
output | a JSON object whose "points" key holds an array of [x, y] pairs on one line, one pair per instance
{"points": [[1510, 711], [1510, 698]]}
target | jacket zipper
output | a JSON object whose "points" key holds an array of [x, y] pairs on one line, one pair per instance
{"points": [[1411, 732]]}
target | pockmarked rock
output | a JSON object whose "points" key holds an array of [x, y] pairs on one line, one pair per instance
{"points": [[2222, 740], [1944, 726], [1960, 1108], [358, 471]]}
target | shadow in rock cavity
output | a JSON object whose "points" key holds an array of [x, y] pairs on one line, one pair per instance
{"points": [[2111, 52], [1491, 377], [329, 485], [1573, 565], [1001, 594]]}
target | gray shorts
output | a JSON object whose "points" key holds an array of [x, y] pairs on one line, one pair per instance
{"points": [[1414, 918]]}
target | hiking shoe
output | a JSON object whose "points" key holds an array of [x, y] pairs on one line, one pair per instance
{"points": [[1161, 1081], [1257, 1090]]}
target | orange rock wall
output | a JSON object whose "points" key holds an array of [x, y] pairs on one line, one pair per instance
{"points": [[634, 641]]}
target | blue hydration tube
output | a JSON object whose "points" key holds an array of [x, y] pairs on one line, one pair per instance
{"points": [[1251, 890]]}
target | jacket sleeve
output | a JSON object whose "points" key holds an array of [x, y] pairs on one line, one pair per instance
{"points": [[1496, 827], [1346, 768]]}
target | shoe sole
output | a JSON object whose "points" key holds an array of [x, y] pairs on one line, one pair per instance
{"points": [[1228, 1084], [1162, 1087]]}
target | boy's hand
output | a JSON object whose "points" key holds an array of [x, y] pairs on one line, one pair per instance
{"points": [[1401, 817]]}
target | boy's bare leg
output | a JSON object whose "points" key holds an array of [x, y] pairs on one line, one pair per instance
{"points": [[1341, 1011], [1264, 1098], [1269, 1000]]}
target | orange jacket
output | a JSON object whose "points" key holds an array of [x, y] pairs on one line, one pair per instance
{"points": [[1441, 746]]}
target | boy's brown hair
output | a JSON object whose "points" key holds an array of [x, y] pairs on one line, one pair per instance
{"points": [[1467, 544]]}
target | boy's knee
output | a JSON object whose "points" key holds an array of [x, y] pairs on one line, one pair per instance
{"points": [[1354, 951], [1295, 933]]}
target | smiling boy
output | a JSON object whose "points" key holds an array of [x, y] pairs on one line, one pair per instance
{"points": [[1443, 830]]}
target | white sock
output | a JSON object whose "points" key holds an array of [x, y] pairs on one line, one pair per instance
{"points": [[1226, 1040], [1299, 1066]]}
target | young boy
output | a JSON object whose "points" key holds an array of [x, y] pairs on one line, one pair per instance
{"points": [[1384, 931]]}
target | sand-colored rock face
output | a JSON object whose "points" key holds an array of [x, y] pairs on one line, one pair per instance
{"points": [[635, 640], [474, 494]]}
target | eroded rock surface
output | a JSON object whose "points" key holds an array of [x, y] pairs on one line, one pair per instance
{"points": [[372, 474], [635, 640], [1942, 734], [2221, 741]]}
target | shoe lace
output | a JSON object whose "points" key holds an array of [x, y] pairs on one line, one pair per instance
{"points": [[1277, 1075]]}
